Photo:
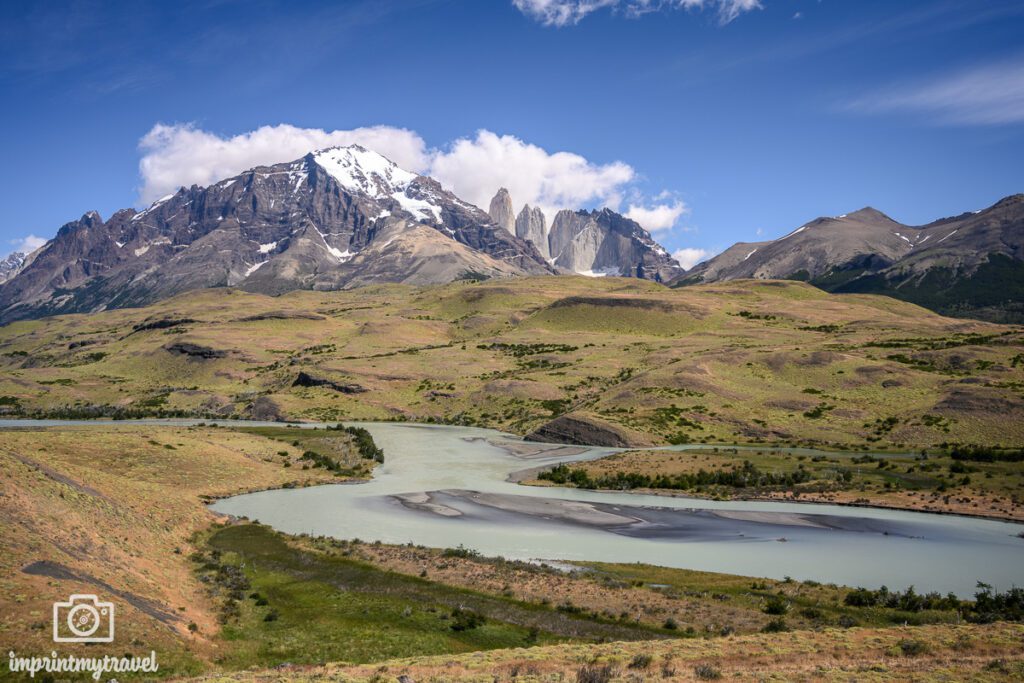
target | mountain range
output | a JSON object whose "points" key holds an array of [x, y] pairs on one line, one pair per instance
{"points": [[345, 217], [970, 265], [334, 219]]}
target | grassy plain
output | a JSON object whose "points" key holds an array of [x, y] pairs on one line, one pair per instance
{"points": [[740, 362]]}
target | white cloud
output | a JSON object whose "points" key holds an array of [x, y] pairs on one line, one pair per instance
{"points": [[182, 155], [991, 94], [473, 168], [658, 217], [27, 244], [688, 257], [560, 12], [570, 12]]}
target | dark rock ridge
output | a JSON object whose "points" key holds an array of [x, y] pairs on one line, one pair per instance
{"points": [[971, 265], [594, 243], [583, 430], [281, 315], [613, 302], [160, 324], [304, 379], [336, 218], [195, 351], [265, 408]]}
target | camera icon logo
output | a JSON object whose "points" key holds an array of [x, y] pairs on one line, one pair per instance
{"points": [[83, 619]]}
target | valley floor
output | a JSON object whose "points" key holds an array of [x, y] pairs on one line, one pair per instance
{"points": [[119, 510]]}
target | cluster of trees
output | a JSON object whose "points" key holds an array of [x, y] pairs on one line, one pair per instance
{"points": [[112, 412], [988, 605], [985, 453], [747, 476], [519, 350], [364, 442], [324, 461], [906, 601], [466, 620]]}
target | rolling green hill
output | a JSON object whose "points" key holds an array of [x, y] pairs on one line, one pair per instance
{"points": [[634, 362]]}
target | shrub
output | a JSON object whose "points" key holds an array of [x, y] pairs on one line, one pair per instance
{"points": [[776, 626], [913, 648], [465, 620], [461, 551], [846, 621], [641, 661], [706, 672], [595, 673], [776, 605]]}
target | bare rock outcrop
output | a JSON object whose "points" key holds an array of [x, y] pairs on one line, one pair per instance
{"points": [[531, 225], [584, 430], [501, 210]]}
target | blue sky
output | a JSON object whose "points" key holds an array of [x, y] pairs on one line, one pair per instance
{"points": [[713, 121]]}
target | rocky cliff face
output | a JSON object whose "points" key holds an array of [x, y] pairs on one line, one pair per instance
{"points": [[296, 225], [594, 243], [531, 226], [969, 265], [501, 210], [607, 243]]}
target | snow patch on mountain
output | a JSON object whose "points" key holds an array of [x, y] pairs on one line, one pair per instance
{"points": [[253, 268], [152, 206]]}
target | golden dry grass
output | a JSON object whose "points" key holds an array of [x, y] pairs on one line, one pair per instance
{"points": [[954, 653], [118, 506]]}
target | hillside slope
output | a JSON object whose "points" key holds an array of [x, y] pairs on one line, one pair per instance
{"points": [[610, 360]]}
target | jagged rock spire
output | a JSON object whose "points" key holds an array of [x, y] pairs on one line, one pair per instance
{"points": [[501, 210], [532, 227]]}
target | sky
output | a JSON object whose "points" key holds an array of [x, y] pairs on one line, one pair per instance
{"points": [[707, 121]]}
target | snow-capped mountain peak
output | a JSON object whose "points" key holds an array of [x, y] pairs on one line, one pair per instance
{"points": [[357, 168]]}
